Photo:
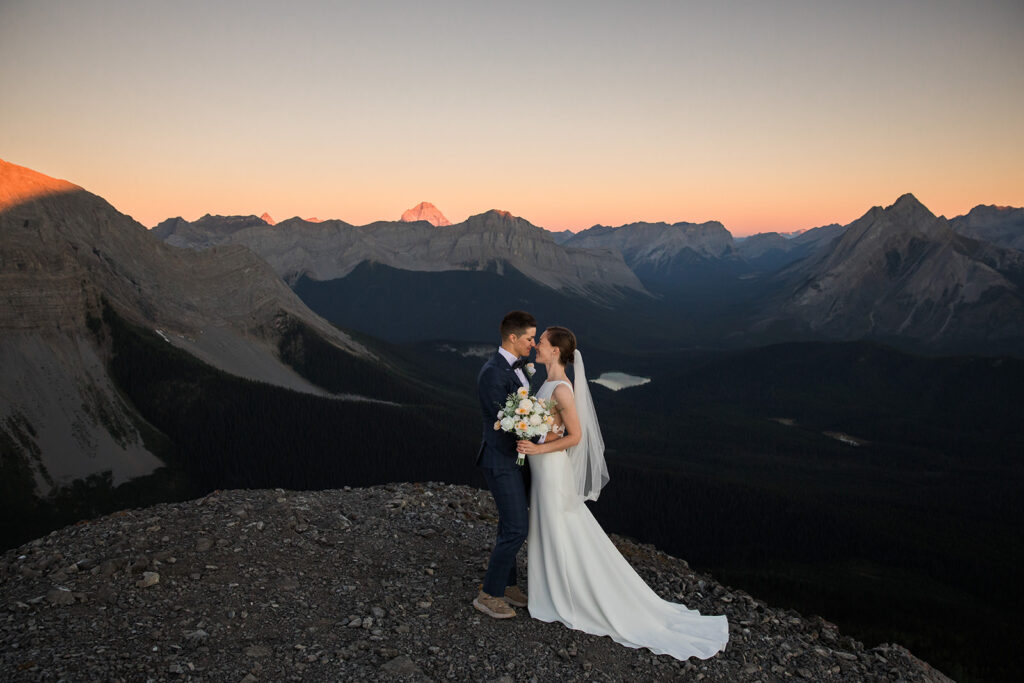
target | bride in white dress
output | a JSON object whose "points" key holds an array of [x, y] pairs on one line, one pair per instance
{"points": [[575, 574]]}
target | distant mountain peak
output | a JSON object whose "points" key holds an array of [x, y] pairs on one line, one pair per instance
{"points": [[908, 203], [907, 198], [425, 211], [497, 219], [267, 219], [906, 216]]}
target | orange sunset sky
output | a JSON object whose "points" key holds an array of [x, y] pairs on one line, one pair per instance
{"points": [[763, 115]]}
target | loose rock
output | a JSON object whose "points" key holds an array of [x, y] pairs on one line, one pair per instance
{"points": [[388, 596]]}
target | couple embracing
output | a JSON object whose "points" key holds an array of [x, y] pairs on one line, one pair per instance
{"points": [[575, 575]]}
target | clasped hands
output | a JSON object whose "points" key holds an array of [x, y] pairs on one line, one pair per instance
{"points": [[530, 448]]}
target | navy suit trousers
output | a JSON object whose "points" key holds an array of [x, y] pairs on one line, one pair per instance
{"points": [[509, 491]]}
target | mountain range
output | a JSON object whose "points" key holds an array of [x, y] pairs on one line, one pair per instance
{"points": [[899, 274], [332, 249], [231, 290], [902, 272]]}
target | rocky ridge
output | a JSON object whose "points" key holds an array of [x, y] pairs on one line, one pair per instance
{"points": [[332, 249], [655, 244], [355, 584], [1002, 225]]}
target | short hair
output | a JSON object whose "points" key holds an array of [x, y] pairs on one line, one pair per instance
{"points": [[564, 340], [516, 322]]}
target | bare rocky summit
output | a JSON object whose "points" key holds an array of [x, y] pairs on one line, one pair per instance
{"points": [[425, 211], [355, 584]]}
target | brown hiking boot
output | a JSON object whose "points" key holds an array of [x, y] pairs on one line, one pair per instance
{"points": [[515, 597], [493, 607]]}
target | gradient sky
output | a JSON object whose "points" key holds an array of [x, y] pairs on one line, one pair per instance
{"points": [[763, 115]]}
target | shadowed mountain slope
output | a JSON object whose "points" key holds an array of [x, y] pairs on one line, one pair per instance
{"points": [[65, 257], [1000, 225], [903, 273]]}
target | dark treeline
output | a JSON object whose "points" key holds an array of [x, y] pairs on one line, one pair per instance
{"points": [[229, 432], [834, 560]]}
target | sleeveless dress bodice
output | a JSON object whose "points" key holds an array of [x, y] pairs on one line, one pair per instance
{"points": [[548, 388]]}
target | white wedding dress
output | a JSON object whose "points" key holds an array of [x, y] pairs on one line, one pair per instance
{"points": [[578, 577]]}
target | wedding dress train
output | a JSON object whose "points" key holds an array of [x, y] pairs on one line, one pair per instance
{"points": [[578, 577]]}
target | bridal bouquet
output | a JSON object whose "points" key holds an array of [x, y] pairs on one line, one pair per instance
{"points": [[526, 416]]}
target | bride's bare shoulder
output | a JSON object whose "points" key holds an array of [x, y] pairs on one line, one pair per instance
{"points": [[563, 393]]}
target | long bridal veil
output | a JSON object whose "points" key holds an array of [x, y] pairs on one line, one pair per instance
{"points": [[590, 472]]}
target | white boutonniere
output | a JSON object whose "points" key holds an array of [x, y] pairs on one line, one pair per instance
{"points": [[530, 370]]}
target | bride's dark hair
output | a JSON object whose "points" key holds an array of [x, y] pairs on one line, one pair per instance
{"points": [[564, 340]]}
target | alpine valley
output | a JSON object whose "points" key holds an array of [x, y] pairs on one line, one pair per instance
{"points": [[831, 422]]}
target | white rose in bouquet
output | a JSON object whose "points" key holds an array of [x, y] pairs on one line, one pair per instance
{"points": [[524, 416]]}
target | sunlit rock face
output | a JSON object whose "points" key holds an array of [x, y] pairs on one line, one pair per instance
{"points": [[425, 211]]}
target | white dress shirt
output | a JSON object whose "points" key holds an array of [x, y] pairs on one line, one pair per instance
{"points": [[520, 374], [511, 358]]}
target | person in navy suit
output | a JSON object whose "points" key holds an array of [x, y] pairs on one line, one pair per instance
{"points": [[500, 376]]}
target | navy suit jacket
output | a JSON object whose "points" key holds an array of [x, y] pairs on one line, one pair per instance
{"points": [[495, 382]]}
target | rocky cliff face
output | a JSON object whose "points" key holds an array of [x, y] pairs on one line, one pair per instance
{"points": [[425, 211], [332, 249], [361, 584], [901, 271], [208, 230], [653, 245], [63, 251]]}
